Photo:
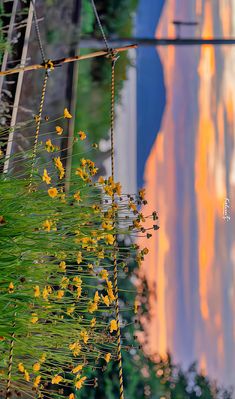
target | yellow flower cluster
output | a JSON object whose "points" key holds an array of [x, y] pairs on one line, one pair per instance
{"points": [[46, 178], [59, 166], [87, 170], [110, 187], [71, 283]]}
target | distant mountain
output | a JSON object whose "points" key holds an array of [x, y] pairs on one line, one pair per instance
{"points": [[150, 83]]}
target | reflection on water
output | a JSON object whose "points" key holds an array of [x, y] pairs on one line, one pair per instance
{"points": [[190, 179]]}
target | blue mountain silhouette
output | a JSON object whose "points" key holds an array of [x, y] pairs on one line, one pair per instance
{"points": [[151, 96]]}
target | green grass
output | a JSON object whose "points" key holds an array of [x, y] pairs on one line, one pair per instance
{"points": [[47, 306]]}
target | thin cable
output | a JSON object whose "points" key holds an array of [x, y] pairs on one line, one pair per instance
{"points": [[38, 32], [100, 26]]}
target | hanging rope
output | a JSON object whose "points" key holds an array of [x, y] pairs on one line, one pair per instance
{"points": [[115, 269], [38, 123], [48, 65], [10, 359], [112, 54]]}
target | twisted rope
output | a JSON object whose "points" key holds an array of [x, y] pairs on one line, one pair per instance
{"points": [[112, 54], [10, 359], [38, 123], [115, 265]]}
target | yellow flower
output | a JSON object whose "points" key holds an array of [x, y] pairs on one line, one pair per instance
{"points": [[79, 383], [104, 274], [26, 376], [145, 251], [47, 225], [36, 291], [93, 322], [96, 297], [142, 194], [77, 196], [43, 358], [64, 282], [105, 300], [11, 287], [49, 146], [83, 162], [136, 306], [77, 369], [59, 166], [67, 114], [107, 357], [84, 336], [108, 190], [45, 293], [60, 294], [82, 135], [45, 177], [84, 175], [110, 291], [71, 396], [101, 254], [101, 180], [79, 292], [118, 189], [93, 171], [36, 366], [21, 367], [62, 266], [132, 206], [59, 130], [113, 325], [107, 226], [109, 238], [70, 310], [37, 381], [56, 379], [136, 224], [96, 208], [77, 281], [76, 348], [79, 257], [52, 192], [34, 318], [92, 307]]}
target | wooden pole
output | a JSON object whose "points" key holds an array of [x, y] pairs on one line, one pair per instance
{"points": [[62, 61]]}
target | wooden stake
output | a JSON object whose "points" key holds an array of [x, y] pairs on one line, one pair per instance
{"points": [[66, 60]]}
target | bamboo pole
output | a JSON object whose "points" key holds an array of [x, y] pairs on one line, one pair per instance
{"points": [[66, 60]]}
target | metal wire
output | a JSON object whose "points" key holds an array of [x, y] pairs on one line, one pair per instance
{"points": [[39, 39], [100, 26]]}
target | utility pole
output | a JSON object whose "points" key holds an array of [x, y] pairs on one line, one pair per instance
{"points": [[144, 41]]}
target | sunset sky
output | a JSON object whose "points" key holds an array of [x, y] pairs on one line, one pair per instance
{"points": [[189, 176]]}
